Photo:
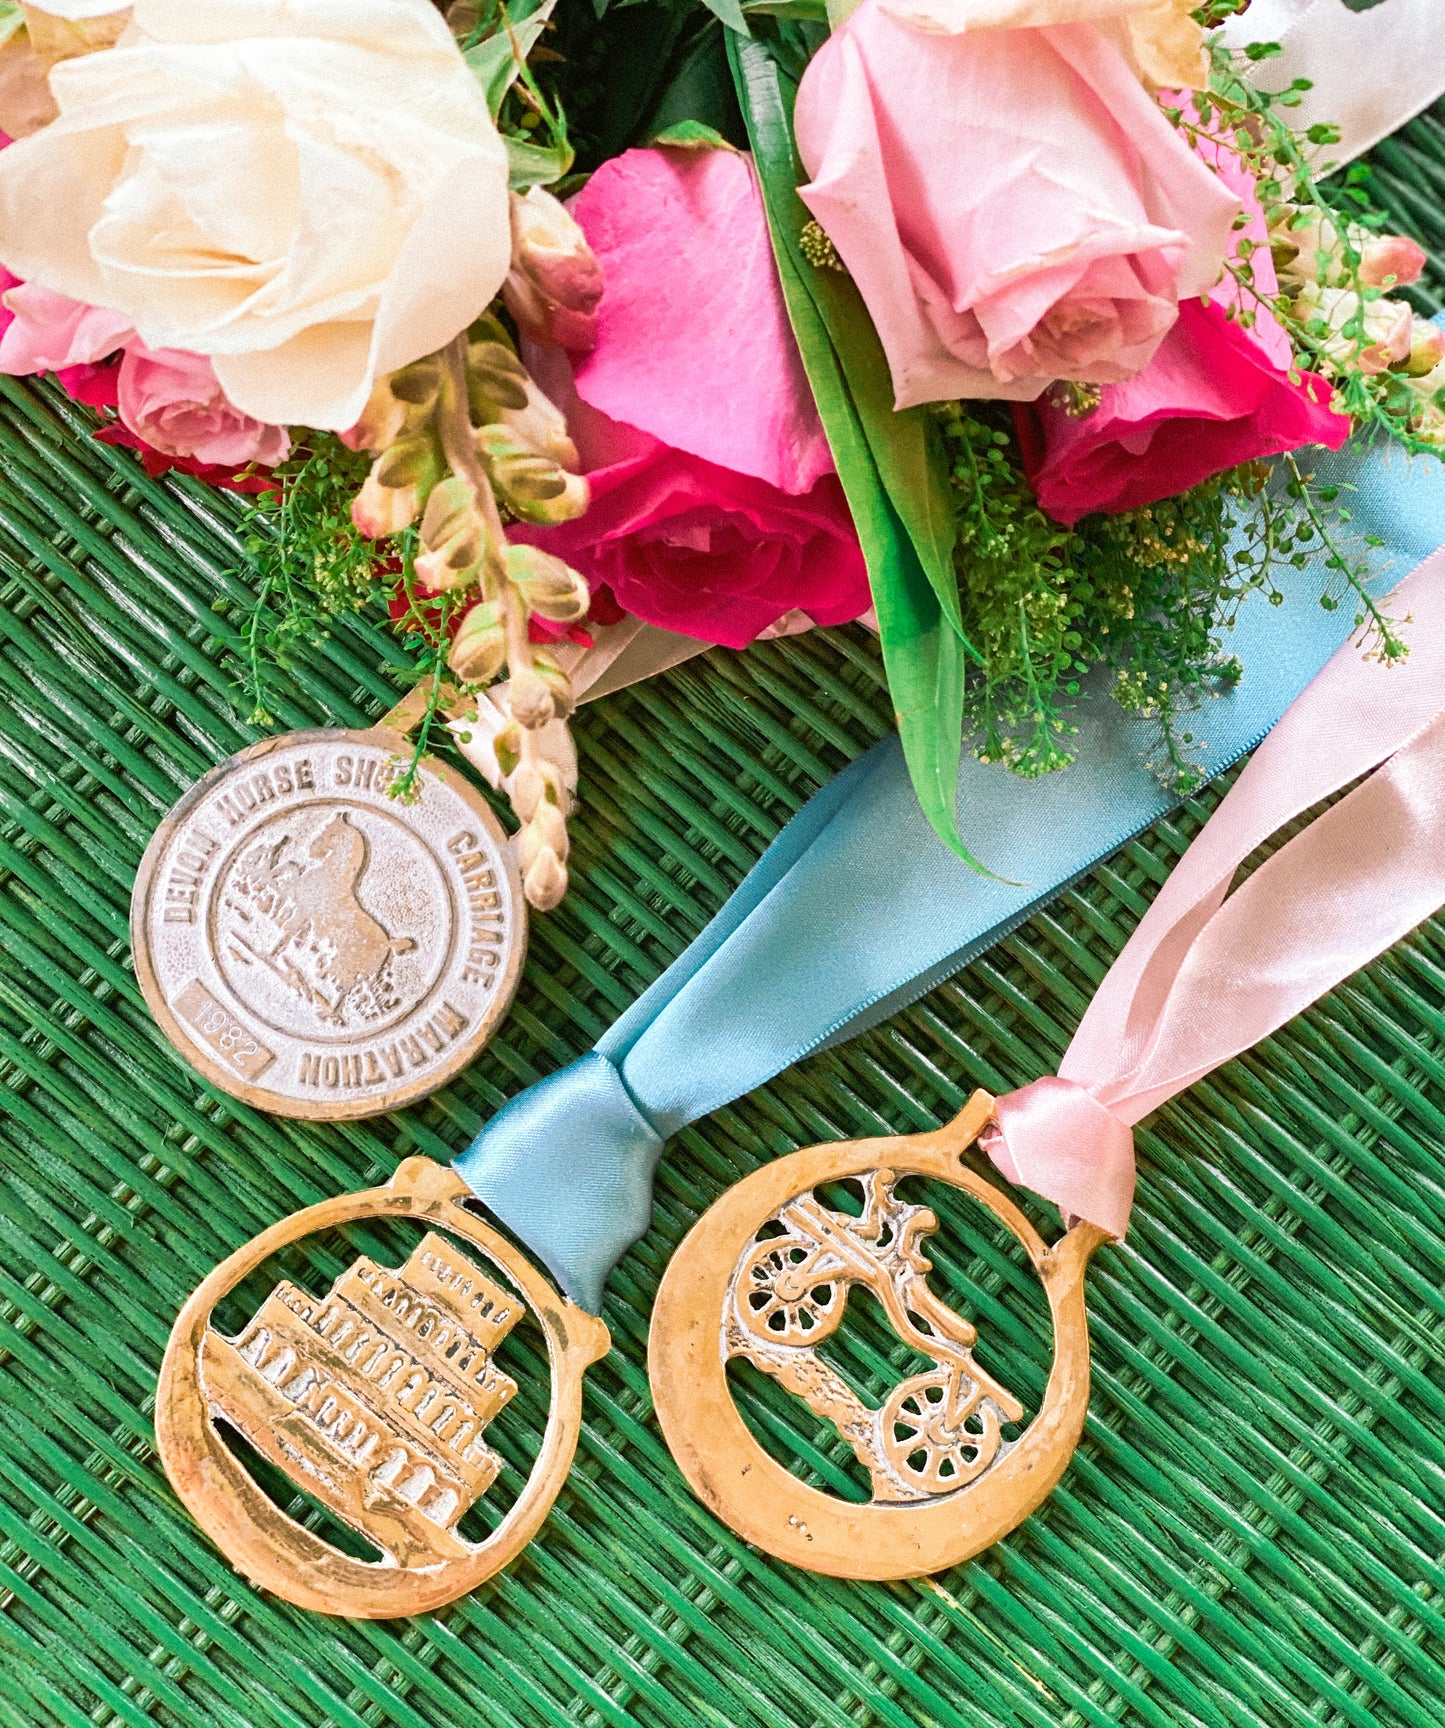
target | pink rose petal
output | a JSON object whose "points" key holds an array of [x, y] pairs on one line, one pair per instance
{"points": [[693, 343]]}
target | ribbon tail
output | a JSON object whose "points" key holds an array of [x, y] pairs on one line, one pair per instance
{"points": [[567, 1165]]}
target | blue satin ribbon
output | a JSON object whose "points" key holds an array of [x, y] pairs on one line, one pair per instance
{"points": [[857, 909]]}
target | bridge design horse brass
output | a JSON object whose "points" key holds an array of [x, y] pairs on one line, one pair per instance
{"points": [[374, 1397]]}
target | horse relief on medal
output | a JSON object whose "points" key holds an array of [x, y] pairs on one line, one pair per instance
{"points": [[317, 946]]}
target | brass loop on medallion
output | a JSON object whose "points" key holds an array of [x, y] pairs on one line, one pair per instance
{"points": [[764, 1276], [372, 1399]]}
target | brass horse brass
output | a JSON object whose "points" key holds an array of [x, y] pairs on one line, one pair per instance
{"points": [[374, 1398], [764, 1275]]}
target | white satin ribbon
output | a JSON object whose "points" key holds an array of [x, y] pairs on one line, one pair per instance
{"points": [[1372, 71]]}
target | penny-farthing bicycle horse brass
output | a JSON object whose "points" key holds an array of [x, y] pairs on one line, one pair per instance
{"points": [[375, 1399], [317, 947], [764, 1275]]}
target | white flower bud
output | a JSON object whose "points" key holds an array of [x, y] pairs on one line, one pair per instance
{"points": [[531, 699], [544, 881], [479, 649], [541, 427]]}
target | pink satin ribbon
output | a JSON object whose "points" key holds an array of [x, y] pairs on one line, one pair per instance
{"points": [[1208, 973]]}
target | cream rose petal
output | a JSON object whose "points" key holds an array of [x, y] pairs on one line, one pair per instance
{"points": [[303, 190], [1163, 39], [52, 192], [73, 11], [450, 265]]}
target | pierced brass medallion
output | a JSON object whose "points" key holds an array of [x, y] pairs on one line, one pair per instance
{"points": [[374, 1399], [765, 1275]]}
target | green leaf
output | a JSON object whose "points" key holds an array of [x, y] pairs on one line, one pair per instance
{"points": [[890, 463], [497, 61], [12, 20], [808, 11], [690, 135], [700, 90], [731, 13], [531, 165]]}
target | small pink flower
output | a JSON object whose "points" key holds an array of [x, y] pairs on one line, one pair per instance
{"points": [[554, 284], [174, 401], [1427, 349], [1391, 261], [1390, 325]]}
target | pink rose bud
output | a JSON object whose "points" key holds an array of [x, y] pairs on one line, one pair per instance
{"points": [[377, 510], [175, 402], [1390, 261], [1427, 349], [555, 281]]}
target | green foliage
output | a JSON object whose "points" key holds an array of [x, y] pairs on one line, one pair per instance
{"points": [[627, 72], [307, 562], [891, 463], [308, 566], [1148, 594], [498, 44]]}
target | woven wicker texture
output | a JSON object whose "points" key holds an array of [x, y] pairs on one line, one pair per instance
{"points": [[1252, 1530]]}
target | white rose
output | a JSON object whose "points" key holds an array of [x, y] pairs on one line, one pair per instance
{"points": [[311, 192]]}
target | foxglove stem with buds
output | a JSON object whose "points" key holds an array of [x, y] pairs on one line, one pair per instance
{"points": [[537, 799], [463, 440]]}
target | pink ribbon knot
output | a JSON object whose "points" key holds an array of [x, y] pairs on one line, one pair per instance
{"points": [[1058, 1139]]}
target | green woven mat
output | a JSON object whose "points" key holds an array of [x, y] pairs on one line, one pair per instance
{"points": [[1251, 1532]]}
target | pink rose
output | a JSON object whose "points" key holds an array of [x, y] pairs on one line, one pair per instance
{"points": [[175, 402], [1013, 206], [49, 332], [715, 509], [159, 397], [1391, 261]]}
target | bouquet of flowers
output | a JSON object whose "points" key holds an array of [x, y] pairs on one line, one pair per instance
{"points": [[996, 324]]}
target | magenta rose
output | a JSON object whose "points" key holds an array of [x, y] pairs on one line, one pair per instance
{"points": [[715, 508], [1210, 399], [1013, 206], [698, 548], [1216, 394]]}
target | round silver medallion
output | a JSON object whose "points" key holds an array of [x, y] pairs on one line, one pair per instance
{"points": [[317, 947]]}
